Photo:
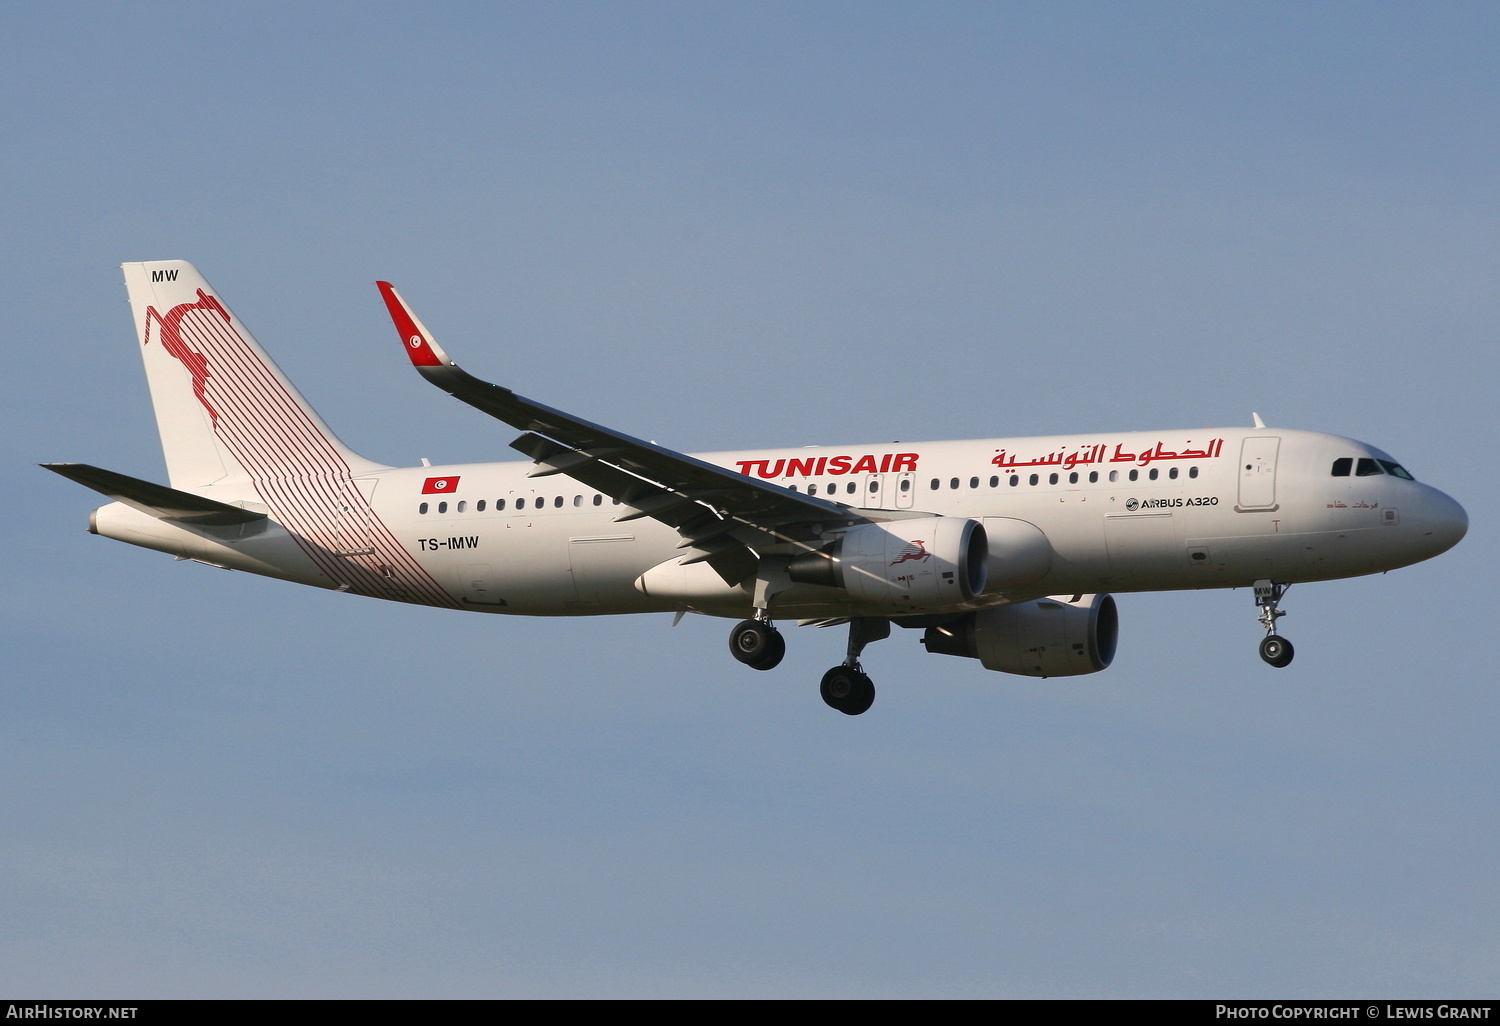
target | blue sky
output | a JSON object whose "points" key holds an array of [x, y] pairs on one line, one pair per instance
{"points": [[738, 225]]}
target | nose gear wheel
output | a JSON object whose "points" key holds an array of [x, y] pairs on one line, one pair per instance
{"points": [[1274, 649]]}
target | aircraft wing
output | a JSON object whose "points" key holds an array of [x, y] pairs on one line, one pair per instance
{"points": [[720, 514]]}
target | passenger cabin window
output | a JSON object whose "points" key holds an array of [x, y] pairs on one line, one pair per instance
{"points": [[422, 508], [1367, 467], [1192, 471], [1033, 479], [479, 506], [1342, 466], [499, 503]]}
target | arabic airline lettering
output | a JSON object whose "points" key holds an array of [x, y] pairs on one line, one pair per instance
{"points": [[1004, 550]]}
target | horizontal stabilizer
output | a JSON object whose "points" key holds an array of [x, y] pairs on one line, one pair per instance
{"points": [[157, 500]]}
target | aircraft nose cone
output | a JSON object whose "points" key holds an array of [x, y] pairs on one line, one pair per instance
{"points": [[1444, 521]]}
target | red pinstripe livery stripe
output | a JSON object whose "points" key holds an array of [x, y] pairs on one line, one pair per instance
{"points": [[297, 470]]}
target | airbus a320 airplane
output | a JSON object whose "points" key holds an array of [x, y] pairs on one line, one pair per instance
{"points": [[999, 549]]}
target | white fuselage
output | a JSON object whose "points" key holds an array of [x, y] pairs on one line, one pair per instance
{"points": [[1142, 511]]}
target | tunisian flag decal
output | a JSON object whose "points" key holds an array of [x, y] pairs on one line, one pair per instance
{"points": [[439, 485]]}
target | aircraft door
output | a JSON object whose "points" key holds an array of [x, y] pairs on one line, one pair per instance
{"points": [[873, 487], [604, 568], [355, 535], [1258, 473], [906, 490], [354, 542]]}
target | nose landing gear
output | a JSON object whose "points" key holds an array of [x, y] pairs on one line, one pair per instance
{"points": [[1274, 649]]}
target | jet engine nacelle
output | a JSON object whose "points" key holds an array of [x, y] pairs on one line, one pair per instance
{"points": [[902, 565], [1049, 637], [1019, 554]]}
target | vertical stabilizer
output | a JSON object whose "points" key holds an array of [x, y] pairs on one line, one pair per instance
{"points": [[229, 420]]}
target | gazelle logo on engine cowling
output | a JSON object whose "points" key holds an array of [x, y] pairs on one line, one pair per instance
{"points": [[916, 550]]}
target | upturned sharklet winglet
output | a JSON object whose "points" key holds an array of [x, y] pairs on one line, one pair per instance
{"points": [[156, 500], [420, 347], [760, 500], [621, 466]]}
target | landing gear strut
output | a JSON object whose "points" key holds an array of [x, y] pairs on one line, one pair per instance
{"points": [[845, 687], [757, 644], [760, 646], [1274, 649]]}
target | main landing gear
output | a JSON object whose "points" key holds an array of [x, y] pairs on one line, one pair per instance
{"points": [[756, 643], [845, 687], [1274, 649], [848, 690]]}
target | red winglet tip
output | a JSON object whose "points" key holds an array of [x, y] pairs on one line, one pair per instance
{"points": [[418, 346]]}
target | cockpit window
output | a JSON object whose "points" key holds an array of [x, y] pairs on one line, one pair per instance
{"points": [[1396, 470], [1342, 466], [1367, 468]]}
